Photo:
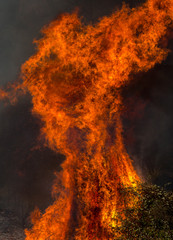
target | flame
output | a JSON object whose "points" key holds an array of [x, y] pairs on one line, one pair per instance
{"points": [[75, 79]]}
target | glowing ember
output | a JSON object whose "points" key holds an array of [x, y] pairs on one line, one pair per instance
{"points": [[75, 79]]}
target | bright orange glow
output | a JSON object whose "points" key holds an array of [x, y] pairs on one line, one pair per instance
{"points": [[75, 79]]}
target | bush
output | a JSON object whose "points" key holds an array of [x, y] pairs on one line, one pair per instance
{"points": [[151, 217]]}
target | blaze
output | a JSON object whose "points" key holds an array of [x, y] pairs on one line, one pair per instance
{"points": [[75, 80]]}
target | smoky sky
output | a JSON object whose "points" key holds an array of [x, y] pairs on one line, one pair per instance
{"points": [[26, 167]]}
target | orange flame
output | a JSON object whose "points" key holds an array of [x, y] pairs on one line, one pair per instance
{"points": [[75, 79]]}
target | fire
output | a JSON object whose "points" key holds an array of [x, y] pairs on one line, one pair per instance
{"points": [[75, 80]]}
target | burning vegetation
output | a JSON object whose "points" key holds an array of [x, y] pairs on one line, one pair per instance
{"points": [[75, 80]]}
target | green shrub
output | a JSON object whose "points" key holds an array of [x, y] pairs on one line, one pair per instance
{"points": [[150, 218]]}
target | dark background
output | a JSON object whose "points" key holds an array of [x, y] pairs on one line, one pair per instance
{"points": [[26, 166]]}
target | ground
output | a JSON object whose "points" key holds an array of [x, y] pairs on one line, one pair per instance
{"points": [[10, 227]]}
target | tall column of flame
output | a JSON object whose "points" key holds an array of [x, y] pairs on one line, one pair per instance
{"points": [[75, 79]]}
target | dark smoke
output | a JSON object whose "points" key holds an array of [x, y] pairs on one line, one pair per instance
{"points": [[148, 124], [26, 165], [26, 172]]}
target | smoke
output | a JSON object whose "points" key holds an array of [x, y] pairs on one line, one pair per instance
{"points": [[26, 174], [148, 130], [20, 22]]}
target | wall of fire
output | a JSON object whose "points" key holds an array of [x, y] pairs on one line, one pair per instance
{"points": [[26, 166]]}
